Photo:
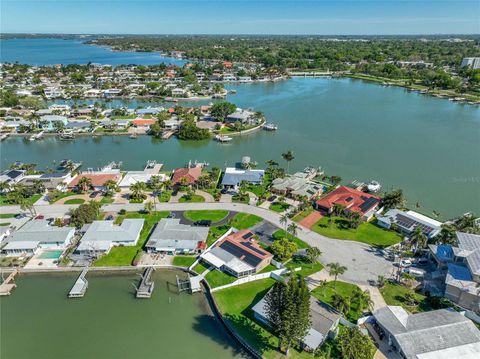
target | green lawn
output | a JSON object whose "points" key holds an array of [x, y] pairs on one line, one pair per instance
{"points": [[216, 232], [346, 290], [4, 224], [214, 216], [235, 304], [7, 215], [217, 278], [244, 220], [75, 201], [192, 199], [307, 268], [366, 232], [394, 293], [279, 234], [200, 268], [62, 195], [301, 215], [106, 200], [125, 255], [183, 261], [136, 200], [256, 189], [279, 207], [164, 196], [268, 268]]}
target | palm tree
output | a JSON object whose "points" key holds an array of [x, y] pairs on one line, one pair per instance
{"points": [[419, 239], [336, 269], [4, 186], [25, 205], [341, 303], [137, 190], [362, 298], [148, 207], [84, 183], [292, 229], [284, 221], [410, 298], [313, 253], [288, 156], [38, 186], [110, 186]]}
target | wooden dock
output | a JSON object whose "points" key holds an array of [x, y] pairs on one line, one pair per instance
{"points": [[145, 289], [80, 287], [8, 284]]}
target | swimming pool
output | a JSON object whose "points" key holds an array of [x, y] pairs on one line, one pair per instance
{"points": [[50, 254]]}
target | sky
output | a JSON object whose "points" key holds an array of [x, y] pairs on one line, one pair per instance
{"points": [[354, 17]]}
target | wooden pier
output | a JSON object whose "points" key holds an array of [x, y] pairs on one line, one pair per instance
{"points": [[80, 287], [145, 289], [8, 284]]}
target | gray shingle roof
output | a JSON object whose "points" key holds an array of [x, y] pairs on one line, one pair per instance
{"points": [[106, 231], [41, 231], [171, 233], [426, 332]]}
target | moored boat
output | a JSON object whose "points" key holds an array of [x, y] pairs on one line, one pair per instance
{"points": [[270, 127], [222, 138]]}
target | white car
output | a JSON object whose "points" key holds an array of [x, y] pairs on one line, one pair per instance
{"points": [[405, 263]]}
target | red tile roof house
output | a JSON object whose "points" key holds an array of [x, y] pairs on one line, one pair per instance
{"points": [[98, 180], [191, 175], [143, 122], [353, 200]]}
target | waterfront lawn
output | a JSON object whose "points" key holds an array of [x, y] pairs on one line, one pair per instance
{"points": [[124, 256], [367, 232], [214, 216], [216, 232], [75, 201], [184, 261], [191, 199], [164, 196], [303, 214], [217, 278], [394, 294], [326, 293], [279, 207], [280, 233], [244, 220], [307, 268], [236, 304]]}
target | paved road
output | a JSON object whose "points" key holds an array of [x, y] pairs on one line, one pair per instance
{"points": [[363, 263]]}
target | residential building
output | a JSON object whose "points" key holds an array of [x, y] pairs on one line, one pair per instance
{"points": [[172, 237], [245, 117], [324, 319], [101, 236], [233, 177], [238, 254], [462, 262], [473, 62], [98, 180], [353, 200], [56, 180], [297, 185], [407, 221], [188, 175], [438, 334], [48, 121], [37, 234], [144, 123], [132, 177], [12, 176]]}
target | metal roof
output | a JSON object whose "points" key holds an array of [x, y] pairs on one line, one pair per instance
{"points": [[107, 231], [170, 233], [39, 230]]}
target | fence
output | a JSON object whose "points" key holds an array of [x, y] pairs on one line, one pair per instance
{"points": [[274, 274]]}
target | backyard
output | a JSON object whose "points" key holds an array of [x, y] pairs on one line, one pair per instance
{"points": [[394, 294], [367, 232], [183, 261], [124, 256]]}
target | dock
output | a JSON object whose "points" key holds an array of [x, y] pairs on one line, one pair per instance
{"points": [[80, 287], [8, 284], [167, 134], [145, 289]]}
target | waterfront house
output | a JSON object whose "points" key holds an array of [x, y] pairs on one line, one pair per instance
{"points": [[100, 236], [112, 92], [37, 234], [14, 125], [78, 125], [172, 237], [12, 176], [143, 123], [52, 93], [353, 200], [296, 186], [324, 322], [245, 117], [233, 177], [462, 264], [98, 180], [238, 254], [56, 180], [436, 334], [47, 122], [187, 175], [132, 177], [407, 221]]}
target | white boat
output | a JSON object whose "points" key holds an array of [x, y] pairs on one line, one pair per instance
{"points": [[36, 136], [374, 186], [222, 138], [270, 127], [67, 135]]}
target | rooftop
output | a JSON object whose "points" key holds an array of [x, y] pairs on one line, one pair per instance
{"points": [[170, 234], [352, 199], [39, 230]]}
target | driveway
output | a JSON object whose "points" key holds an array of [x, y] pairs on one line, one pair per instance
{"points": [[264, 231], [362, 262]]}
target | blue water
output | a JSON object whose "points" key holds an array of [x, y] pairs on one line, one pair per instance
{"points": [[56, 51]]}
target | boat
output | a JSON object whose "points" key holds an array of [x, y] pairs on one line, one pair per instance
{"points": [[67, 135], [373, 186], [36, 136], [133, 136], [3, 136], [222, 138], [270, 127]]}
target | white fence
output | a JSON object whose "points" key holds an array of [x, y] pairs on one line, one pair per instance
{"points": [[274, 274]]}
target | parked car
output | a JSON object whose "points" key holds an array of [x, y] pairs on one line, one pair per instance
{"points": [[272, 198], [93, 194], [109, 218], [20, 216], [203, 223], [416, 272], [405, 263], [422, 261]]}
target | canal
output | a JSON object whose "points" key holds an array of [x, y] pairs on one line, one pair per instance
{"points": [[39, 321], [427, 146]]}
